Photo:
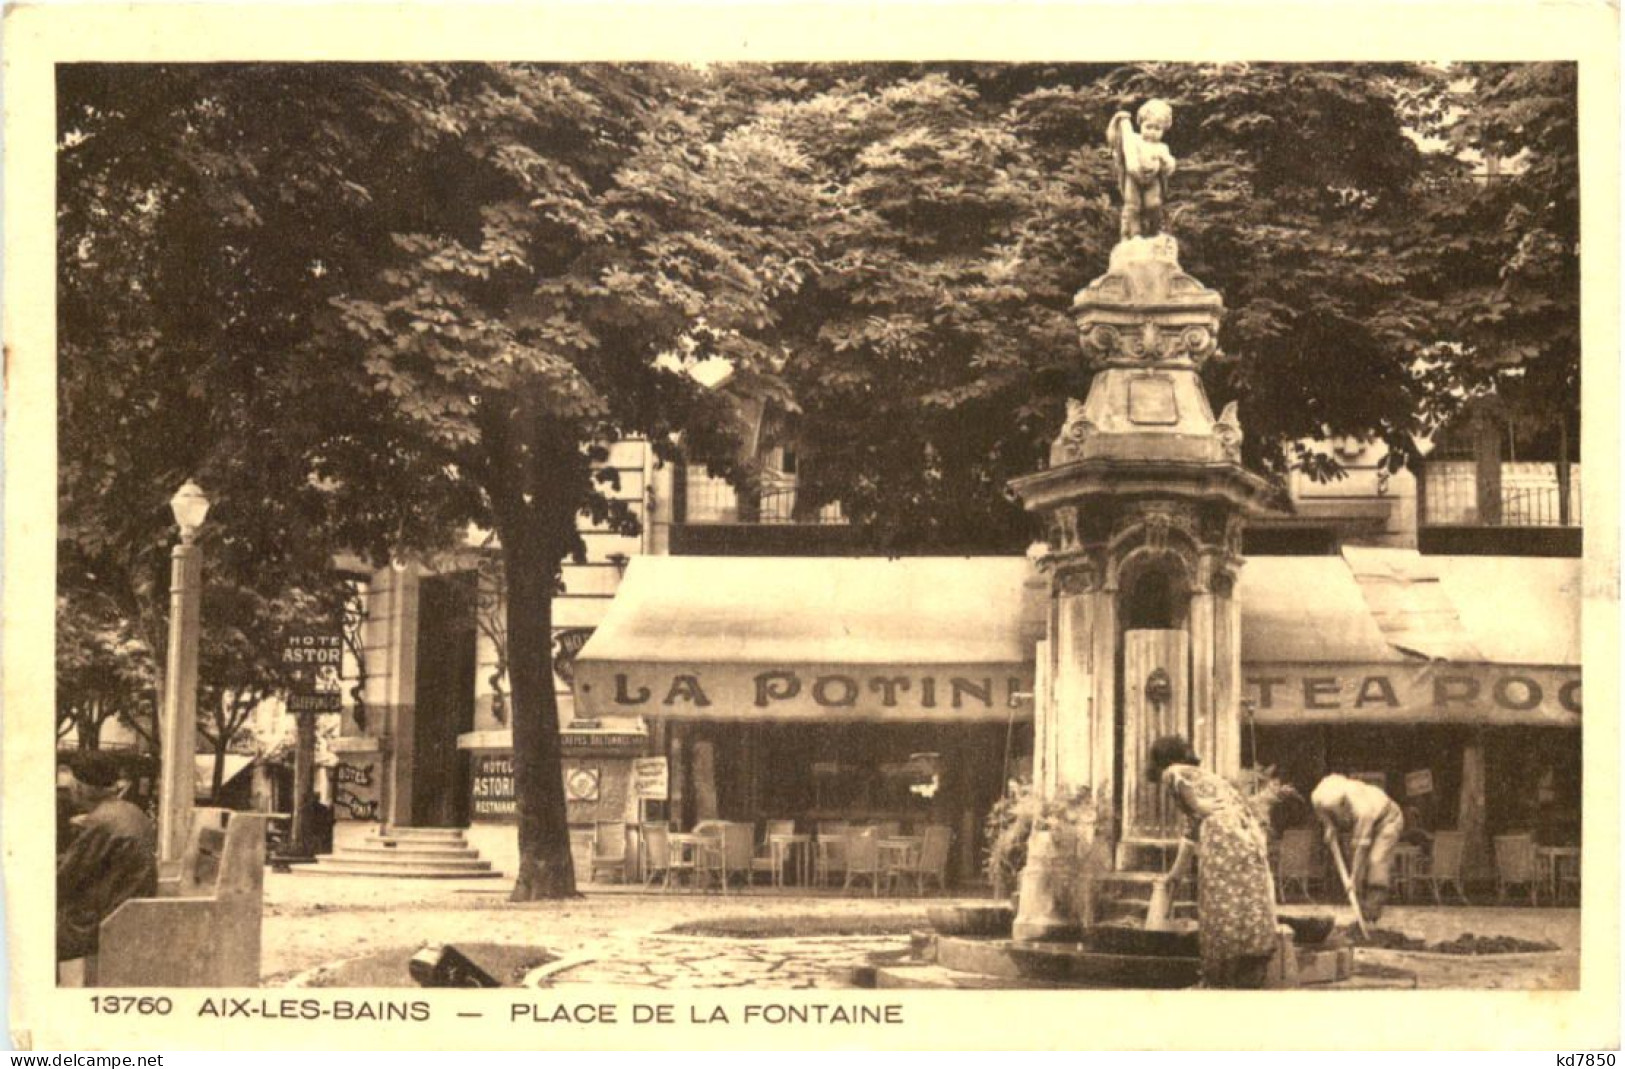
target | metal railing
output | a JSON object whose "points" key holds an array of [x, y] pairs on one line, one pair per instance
{"points": [[1530, 496], [714, 501]]}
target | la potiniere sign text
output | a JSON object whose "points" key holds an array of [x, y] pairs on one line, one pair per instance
{"points": [[316, 662], [1431, 693]]}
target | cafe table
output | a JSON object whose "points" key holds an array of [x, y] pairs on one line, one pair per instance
{"points": [[683, 855], [1407, 867], [782, 847]]}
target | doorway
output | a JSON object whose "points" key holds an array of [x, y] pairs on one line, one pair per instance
{"points": [[445, 701]]}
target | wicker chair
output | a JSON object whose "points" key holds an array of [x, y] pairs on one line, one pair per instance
{"points": [[1297, 863], [1443, 866], [862, 858], [1515, 866]]}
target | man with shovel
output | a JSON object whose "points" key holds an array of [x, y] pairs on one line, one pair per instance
{"points": [[1375, 823]]}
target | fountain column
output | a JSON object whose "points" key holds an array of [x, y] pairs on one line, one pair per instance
{"points": [[1143, 505]]}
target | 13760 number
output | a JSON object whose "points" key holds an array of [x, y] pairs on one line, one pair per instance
{"points": [[138, 1005]]}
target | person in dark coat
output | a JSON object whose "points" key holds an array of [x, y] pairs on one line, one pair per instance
{"points": [[112, 857]]}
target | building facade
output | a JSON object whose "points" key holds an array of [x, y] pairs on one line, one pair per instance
{"points": [[781, 678]]}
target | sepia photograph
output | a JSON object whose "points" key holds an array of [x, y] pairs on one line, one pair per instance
{"points": [[756, 542]]}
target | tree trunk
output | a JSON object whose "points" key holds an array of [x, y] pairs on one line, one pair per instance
{"points": [[218, 780], [545, 866]]}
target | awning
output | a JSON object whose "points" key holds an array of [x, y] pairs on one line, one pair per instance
{"points": [[235, 765], [1388, 636], [914, 639], [1376, 636]]}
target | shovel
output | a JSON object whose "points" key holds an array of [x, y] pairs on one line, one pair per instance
{"points": [[1348, 885]]}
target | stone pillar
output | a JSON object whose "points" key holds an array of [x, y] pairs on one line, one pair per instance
{"points": [[1227, 721], [1102, 707], [1204, 722], [1071, 761], [1043, 714]]}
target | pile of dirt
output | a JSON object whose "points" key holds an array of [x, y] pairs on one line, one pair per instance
{"points": [[1464, 944], [800, 927]]}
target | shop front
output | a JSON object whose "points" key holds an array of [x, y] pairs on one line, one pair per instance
{"points": [[865, 690], [891, 692], [1458, 691]]}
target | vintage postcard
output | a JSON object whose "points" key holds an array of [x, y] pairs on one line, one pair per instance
{"points": [[853, 526]]}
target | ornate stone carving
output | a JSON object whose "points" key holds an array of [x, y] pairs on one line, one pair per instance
{"points": [[1228, 431], [1075, 578], [1063, 531], [1069, 444], [1234, 527], [1157, 519]]}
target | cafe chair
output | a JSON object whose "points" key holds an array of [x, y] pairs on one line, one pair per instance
{"points": [[1515, 866], [656, 843], [608, 850], [582, 844], [764, 859], [1566, 879], [1297, 863], [929, 862], [709, 858], [738, 853], [862, 858], [829, 858], [1442, 867]]}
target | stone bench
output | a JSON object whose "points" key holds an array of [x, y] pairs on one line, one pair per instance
{"points": [[203, 929]]}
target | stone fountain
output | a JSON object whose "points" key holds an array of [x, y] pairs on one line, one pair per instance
{"points": [[1143, 503]]}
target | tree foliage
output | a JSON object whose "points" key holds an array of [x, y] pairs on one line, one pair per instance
{"points": [[367, 306]]}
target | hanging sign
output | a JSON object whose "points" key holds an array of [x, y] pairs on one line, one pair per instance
{"points": [[1418, 783], [567, 642], [315, 662]]}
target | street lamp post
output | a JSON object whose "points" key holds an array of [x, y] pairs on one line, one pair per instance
{"points": [[179, 729]]}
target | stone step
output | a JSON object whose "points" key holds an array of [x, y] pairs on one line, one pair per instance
{"points": [[1139, 853], [412, 872], [424, 833], [1137, 906], [415, 851], [407, 861], [415, 844]]}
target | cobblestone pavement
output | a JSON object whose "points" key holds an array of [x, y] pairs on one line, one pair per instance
{"points": [[614, 937], [667, 961]]}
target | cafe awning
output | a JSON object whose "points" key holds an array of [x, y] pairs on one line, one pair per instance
{"points": [[911, 639], [1388, 636], [1374, 636]]}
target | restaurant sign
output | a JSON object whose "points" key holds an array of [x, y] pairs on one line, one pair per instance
{"points": [[492, 787], [868, 692], [1438, 693]]}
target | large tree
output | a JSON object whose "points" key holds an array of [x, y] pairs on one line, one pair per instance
{"points": [[582, 233]]}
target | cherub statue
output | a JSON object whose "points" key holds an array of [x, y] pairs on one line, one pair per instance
{"points": [[1142, 164]]}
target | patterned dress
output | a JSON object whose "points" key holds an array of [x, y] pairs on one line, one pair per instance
{"points": [[1235, 895]]}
